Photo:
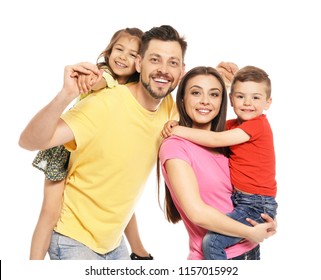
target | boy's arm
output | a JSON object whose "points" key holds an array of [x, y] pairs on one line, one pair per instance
{"points": [[167, 129], [210, 138]]}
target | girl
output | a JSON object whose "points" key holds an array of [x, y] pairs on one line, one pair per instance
{"points": [[117, 64]]}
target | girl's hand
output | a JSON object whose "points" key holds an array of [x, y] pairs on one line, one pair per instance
{"points": [[86, 81], [167, 129], [86, 75]]}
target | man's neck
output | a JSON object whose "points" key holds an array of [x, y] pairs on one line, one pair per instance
{"points": [[144, 98]]}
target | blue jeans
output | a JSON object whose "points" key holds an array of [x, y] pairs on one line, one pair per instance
{"points": [[65, 248], [245, 206]]}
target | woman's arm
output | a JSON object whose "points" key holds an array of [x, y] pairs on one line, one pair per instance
{"points": [[185, 187], [210, 138]]}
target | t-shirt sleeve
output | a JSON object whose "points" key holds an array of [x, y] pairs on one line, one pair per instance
{"points": [[83, 120], [253, 127], [174, 148]]}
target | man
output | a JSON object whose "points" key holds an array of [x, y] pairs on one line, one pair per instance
{"points": [[114, 137]]}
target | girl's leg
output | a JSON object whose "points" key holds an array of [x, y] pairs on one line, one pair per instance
{"points": [[50, 211]]}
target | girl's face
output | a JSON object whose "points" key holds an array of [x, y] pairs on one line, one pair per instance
{"points": [[202, 100], [122, 57]]}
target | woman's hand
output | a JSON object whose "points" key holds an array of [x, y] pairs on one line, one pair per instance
{"points": [[262, 231]]}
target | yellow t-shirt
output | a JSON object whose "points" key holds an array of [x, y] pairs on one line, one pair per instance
{"points": [[115, 148]]}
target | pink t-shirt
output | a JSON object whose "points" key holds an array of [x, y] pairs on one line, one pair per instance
{"points": [[213, 175]]}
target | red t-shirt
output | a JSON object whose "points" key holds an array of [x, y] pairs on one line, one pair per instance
{"points": [[252, 164]]}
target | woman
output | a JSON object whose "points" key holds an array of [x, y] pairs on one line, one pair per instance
{"points": [[197, 179]]}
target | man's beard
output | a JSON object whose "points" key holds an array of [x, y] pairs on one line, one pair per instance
{"points": [[153, 93]]}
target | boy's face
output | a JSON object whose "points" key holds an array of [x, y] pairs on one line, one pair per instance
{"points": [[161, 68], [249, 100]]}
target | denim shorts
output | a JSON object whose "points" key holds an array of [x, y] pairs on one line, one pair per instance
{"points": [[65, 248]]}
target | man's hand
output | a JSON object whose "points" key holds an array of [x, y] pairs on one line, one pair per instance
{"points": [[85, 74], [227, 70]]}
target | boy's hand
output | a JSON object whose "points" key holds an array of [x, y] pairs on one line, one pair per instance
{"points": [[167, 129]]}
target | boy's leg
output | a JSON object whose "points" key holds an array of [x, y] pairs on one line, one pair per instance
{"points": [[214, 244]]}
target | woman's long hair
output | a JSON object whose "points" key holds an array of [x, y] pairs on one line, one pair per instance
{"points": [[218, 124]]}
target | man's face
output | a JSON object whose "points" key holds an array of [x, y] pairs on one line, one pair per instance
{"points": [[161, 68]]}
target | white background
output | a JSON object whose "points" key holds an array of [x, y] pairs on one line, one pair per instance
{"points": [[38, 38]]}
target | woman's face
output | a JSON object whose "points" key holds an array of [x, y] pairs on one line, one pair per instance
{"points": [[202, 100]]}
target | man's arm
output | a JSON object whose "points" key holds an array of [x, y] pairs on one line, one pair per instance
{"points": [[46, 129], [227, 70]]}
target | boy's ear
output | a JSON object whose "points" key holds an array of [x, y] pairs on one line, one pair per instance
{"points": [[268, 103], [231, 102]]}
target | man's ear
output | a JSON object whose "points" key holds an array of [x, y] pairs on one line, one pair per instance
{"points": [[138, 63], [183, 71]]}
